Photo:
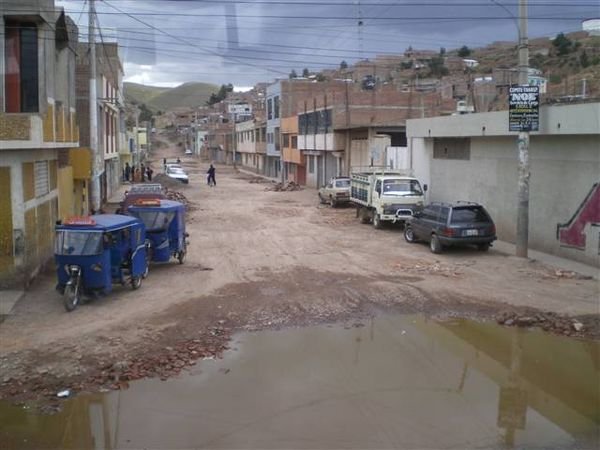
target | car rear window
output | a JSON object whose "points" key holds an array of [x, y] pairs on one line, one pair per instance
{"points": [[468, 215]]}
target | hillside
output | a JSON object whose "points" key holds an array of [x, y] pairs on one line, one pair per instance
{"points": [[139, 93], [163, 99]]}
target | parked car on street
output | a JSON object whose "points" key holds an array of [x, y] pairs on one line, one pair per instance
{"points": [[177, 173], [188, 151], [452, 224], [336, 192]]}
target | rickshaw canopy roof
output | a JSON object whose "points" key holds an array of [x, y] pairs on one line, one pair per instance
{"points": [[100, 222], [165, 205]]}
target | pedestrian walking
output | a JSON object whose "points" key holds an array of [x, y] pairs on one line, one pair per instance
{"points": [[127, 171], [143, 173], [211, 176], [149, 173]]}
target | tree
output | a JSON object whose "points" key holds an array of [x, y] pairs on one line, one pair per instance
{"points": [[437, 67], [343, 65], [145, 113], [584, 60], [321, 77], [221, 95], [293, 74], [562, 44], [464, 51], [305, 73]]}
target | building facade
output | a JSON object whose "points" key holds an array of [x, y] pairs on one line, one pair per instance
{"points": [[38, 127], [473, 157], [111, 115]]}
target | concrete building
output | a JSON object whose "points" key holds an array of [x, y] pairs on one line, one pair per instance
{"points": [[111, 114], [251, 145], [346, 127], [38, 127], [473, 157]]}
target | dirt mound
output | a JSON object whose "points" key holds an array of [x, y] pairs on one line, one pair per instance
{"points": [[168, 182], [284, 187]]}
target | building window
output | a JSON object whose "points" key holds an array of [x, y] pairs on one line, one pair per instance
{"points": [[276, 107], [270, 109], [286, 140], [294, 141], [277, 138], [21, 66], [41, 177]]}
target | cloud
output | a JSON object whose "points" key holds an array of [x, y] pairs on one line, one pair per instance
{"points": [[253, 41]]}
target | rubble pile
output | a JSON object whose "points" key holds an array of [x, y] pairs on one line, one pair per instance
{"points": [[177, 196], [430, 268], [284, 187], [547, 321], [168, 363], [166, 181], [258, 180], [566, 274]]}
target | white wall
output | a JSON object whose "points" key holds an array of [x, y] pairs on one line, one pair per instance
{"points": [[563, 170]]}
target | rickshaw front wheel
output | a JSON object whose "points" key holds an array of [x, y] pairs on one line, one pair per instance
{"points": [[71, 297], [136, 282]]}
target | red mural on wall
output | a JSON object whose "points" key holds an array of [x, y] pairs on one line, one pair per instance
{"points": [[572, 234]]}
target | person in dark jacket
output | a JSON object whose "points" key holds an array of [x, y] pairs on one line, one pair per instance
{"points": [[149, 172], [143, 172], [127, 171], [211, 176]]}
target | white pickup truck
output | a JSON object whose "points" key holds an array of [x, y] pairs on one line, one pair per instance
{"points": [[384, 195]]}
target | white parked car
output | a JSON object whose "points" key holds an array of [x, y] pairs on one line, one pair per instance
{"points": [[177, 173], [188, 151]]}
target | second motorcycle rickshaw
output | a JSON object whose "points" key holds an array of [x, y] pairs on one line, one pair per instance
{"points": [[165, 227]]}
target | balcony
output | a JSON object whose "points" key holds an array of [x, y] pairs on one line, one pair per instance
{"points": [[57, 128]]}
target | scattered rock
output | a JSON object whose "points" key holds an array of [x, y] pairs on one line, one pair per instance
{"points": [[577, 326]]}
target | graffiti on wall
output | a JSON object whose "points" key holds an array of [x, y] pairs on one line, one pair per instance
{"points": [[572, 234]]}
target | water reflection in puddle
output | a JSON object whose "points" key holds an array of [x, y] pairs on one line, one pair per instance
{"points": [[397, 382]]}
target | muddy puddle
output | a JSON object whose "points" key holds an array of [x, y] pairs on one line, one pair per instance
{"points": [[390, 382]]}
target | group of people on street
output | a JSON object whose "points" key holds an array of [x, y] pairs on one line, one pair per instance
{"points": [[137, 174], [141, 173]]}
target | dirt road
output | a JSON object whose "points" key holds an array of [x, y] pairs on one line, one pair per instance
{"points": [[261, 259]]}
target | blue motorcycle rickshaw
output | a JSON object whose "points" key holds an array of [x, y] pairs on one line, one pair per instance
{"points": [[165, 227], [92, 253]]}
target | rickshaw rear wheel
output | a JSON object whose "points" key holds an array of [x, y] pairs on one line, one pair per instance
{"points": [[71, 297], [181, 256], [136, 282]]}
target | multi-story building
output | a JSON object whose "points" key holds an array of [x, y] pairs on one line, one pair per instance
{"points": [[346, 127], [38, 127], [250, 137], [111, 114]]}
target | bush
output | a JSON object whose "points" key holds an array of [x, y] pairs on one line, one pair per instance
{"points": [[464, 51]]}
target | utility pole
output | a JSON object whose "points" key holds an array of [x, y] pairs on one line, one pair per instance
{"points": [[96, 157], [522, 240], [137, 139]]}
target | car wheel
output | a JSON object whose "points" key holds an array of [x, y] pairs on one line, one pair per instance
{"points": [[181, 256], [483, 247], [332, 202], [435, 245], [409, 235], [321, 200], [377, 221]]}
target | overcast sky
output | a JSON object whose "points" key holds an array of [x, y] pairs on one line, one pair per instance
{"points": [[168, 42]]}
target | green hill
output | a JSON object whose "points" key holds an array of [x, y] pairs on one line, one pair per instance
{"points": [[163, 99], [139, 93]]}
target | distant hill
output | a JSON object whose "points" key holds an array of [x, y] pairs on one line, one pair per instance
{"points": [[139, 93], [163, 99]]}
